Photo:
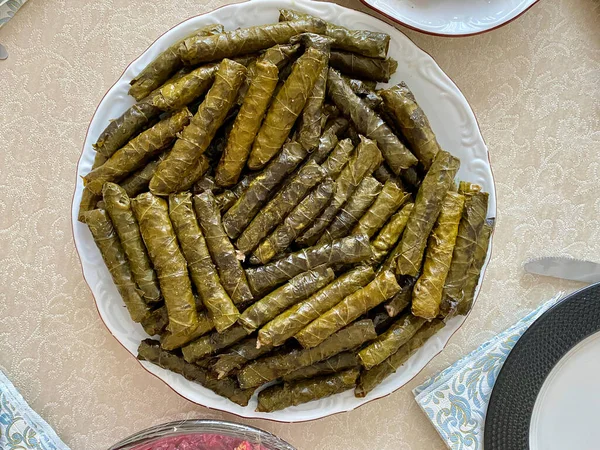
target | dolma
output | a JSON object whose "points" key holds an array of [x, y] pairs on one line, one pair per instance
{"points": [[389, 342], [137, 152], [237, 356], [99, 159], [387, 203], [244, 40], [382, 288], [88, 202], [247, 123], [118, 206], [427, 294], [411, 178], [202, 271], [338, 158], [363, 42], [428, 204], [380, 318], [287, 394], [383, 174], [297, 221], [290, 322], [138, 182], [193, 174], [366, 158], [337, 363], [297, 289], [114, 257], [369, 379], [358, 66], [121, 130], [310, 126], [149, 350], [390, 234], [470, 227], [221, 249], [280, 206], [156, 321], [196, 137], [474, 272], [164, 65], [205, 183], [352, 134], [286, 107], [399, 302], [361, 87], [172, 341], [358, 204], [227, 198], [368, 123], [269, 368], [213, 342], [349, 250], [237, 218], [412, 121], [329, 139], [152, 214]]}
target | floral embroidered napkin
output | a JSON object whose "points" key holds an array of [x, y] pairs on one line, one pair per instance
{"points": [[455, 399], [20, 426], [8, 9]]}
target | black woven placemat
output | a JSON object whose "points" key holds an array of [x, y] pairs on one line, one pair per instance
{"points": [[540, 348]]}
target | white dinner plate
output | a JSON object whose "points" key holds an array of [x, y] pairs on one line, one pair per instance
{"points": [[451, 17], [451, 118]]}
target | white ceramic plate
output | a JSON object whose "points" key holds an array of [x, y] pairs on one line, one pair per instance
{"points": [[451, 17], [451, 118]]}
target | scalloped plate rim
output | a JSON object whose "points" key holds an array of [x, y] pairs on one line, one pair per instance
{"points": [[106, 296]]}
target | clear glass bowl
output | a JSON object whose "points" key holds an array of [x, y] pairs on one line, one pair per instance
{"points": [[202, 435]]}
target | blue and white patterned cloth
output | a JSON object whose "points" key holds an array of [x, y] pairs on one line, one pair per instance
{"points": [[21, 428], [8, 8], [456, 399]]}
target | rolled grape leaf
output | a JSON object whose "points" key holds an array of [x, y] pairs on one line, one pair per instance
{"points": [[428, 204], [335, 364], [88, 203], [329, 139], [349, 250], [205, 183], [366, 158], [247, 123], [280, 206], [280, 364], [138, 182], [202, 271], [237, 356], [237, 218], [382, 288], [227, 198], [390, 234], [368, 123], [156, 321], [383, 174], [389, 342], [287, 394], [286, 107], [221, 249], [399, 302], [197, 136], [387, 203], [118, 206], [474, 272], [297, 289], [244, 40], [338, 158], [137, 152], [412, 122], [362, 88], [290, 322], [427, 295], [297, 221], [369, 379], [470, 227], [363, 42], [358, 66], [213, 342], [358, 204], [172, 341], [149, 350], [193, 174], [152, 214], [114, 257]]}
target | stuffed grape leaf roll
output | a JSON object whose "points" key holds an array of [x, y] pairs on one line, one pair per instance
{"points": [[138, 182], [213, 342], [329, 139], [399, 302], [237, 356], [390, 234], [337, 363], [338, 158], [358, 66]]}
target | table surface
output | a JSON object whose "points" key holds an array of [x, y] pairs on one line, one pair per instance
{"points": [[534, 87]]}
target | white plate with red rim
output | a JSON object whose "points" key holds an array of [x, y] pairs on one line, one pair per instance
{"points": [[451, 118], [451, 17]]}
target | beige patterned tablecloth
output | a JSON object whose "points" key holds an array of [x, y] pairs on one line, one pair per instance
{"points": [[534, 86]]}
